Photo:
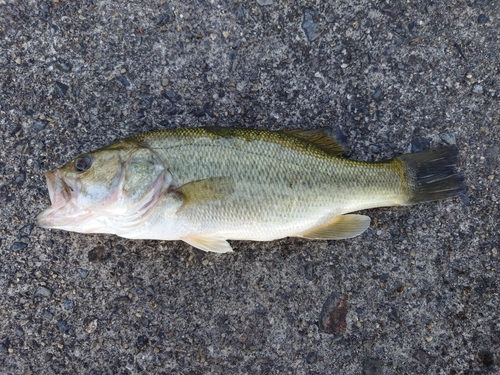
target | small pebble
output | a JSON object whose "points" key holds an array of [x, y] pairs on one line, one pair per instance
{"points": [[240, 15], [172, 111], [82, 272], [384, 277], [377, 94], [61, 89], [477, 88], [485, 130], [21, 178], [26, 230], [420, 144], [124, 81], [63, 326], [98, 254], [423, 357], [310, 27], [18, 246], [486, 358], [69, 303], [142, 341], [449, 138], [265, 2], [39, 125], [18, 332], [163, 19], [4, 347], [199, 112], [119, 249], [172, 96], [90, 324], [332, 319], [43, 291], [64, 65], [311, 358], [482, 18]]}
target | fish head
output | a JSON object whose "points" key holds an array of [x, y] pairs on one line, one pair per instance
{"points": [[96, 191]]}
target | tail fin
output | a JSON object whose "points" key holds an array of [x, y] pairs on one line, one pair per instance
{"points": [[430, 175]]}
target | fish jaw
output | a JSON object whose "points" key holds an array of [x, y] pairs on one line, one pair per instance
{"points": [[63, 213], [59, 191]]}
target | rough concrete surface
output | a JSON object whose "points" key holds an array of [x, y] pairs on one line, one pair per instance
{"points": [[418, 293]]}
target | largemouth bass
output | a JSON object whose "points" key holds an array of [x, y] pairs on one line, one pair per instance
{"points": [[205, 186]]}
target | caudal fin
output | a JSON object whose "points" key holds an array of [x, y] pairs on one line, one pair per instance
{"points": [[430, 175]]}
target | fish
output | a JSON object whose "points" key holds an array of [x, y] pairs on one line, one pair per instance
{"points": [[208, 185]]}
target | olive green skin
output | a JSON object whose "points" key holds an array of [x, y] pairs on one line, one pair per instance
{"points": [[207, 185], [280, 185]]}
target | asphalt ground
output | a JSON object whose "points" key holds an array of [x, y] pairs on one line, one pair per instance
{"points": [[417, 293]]}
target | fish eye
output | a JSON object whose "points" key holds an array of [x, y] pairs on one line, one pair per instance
{"points": [[83, 164]]}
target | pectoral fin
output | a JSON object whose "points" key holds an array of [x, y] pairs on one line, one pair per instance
{"points": [[343, 226], [208, 242], [202, 191]]}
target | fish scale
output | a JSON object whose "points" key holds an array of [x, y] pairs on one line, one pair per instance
{"points": [[269, 187]]}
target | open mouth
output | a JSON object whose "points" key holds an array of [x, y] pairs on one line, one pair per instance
{"points": [[60, 195], [59, 191]]}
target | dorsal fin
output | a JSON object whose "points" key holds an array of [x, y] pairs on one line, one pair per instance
{"points": [[320, 138]]}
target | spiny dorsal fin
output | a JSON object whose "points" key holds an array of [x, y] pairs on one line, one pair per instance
{"points": [[341, 227], [320, 138], [202, 191], [209, 242]]}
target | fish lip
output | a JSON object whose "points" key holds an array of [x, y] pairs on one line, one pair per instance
{"points": [[60, 193], [50, 179]]}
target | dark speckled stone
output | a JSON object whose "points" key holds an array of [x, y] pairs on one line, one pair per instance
{"points": [[417, 293]]}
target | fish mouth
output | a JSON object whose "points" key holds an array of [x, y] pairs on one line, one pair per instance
{"points": [[59, 190], [67, 212], [61, 194]]}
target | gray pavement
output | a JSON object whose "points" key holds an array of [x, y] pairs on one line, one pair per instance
{"points": [[418, 293]]}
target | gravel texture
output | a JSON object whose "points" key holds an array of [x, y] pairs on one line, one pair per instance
{"points": [[417, 293]]}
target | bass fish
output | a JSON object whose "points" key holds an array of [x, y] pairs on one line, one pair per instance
{"points": [[205, 186]]}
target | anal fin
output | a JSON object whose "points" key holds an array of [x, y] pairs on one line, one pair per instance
{"points": [[341, 227], [209, 242]]}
